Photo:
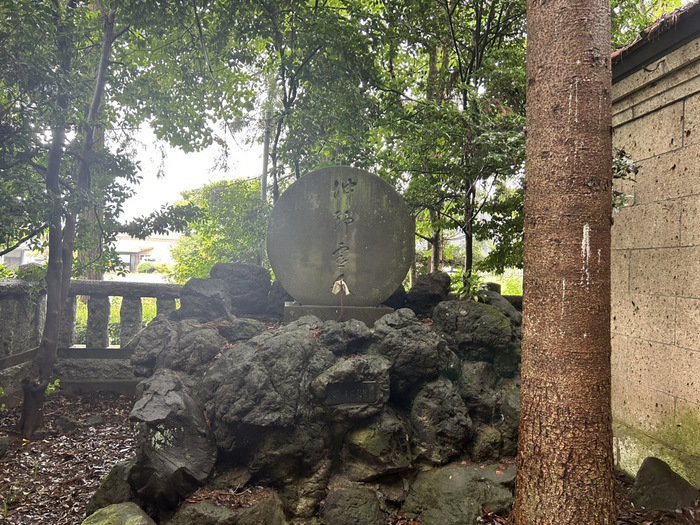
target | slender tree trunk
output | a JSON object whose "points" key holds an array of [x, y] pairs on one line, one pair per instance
{"points": [[565, 461], [61, 240], [34, 385], [469, 200], [436, 251]]}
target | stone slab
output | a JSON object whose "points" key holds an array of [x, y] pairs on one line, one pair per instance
{"points": [[367, 314], [340, 223], [364, 392], [654, 134], [651, 225]]}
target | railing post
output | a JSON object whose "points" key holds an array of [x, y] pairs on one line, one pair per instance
{"points": [[66, 334], [164, 306], [131, 316], [97, 332]]}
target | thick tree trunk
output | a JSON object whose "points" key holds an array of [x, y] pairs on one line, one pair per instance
{"points": [[565, 462]]}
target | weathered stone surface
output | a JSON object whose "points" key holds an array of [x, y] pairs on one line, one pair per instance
{"points": [[365, 314], [340, 223], [175, 452], [486, 445], [184, 346], [302, 498], [248, 286], [114, 488], [477, 384], [4, 445], [478, 332], [440, 423], [508, 416], [236, 330], [354, 370], [165, 306], [507, 309], [428, 291], [657, 486], [108, 369], [276, 299], [397, 300], [416, 353], [455, 494], [96, 332], [196, 348], [66, 424], [267, 510], [130, 315], [264, 383], [66, 332], [160, 335], [312, 402], [378, 448], [291, 456], [204, 300], [119, 514], [351, 506], [11, 380], [22, 313], [350, 337]]}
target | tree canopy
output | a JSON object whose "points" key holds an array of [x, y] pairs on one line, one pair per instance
{"points": [[430, 95], [231, 226]]}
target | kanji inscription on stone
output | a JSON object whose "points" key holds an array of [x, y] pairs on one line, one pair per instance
{"points": [[340, 225], [364, 392]]}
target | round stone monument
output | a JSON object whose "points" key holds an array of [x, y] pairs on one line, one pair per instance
{"points": [[340, 236]]}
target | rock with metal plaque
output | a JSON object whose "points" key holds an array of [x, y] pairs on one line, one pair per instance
{"points": [[340, 237]]}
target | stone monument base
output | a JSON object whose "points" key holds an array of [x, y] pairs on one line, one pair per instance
{"points": [[366, 314]]}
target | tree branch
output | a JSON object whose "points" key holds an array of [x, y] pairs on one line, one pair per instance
{"points": [[26, 238]]}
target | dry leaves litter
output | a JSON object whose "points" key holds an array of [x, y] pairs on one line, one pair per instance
{"points": [[51, 479]]}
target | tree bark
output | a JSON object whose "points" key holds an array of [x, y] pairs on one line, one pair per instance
{"points": [[565, 461], [34, 385], [469, 216], [61, 240]]}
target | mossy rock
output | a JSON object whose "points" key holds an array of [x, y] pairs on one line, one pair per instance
{"points": [[120, 514]]}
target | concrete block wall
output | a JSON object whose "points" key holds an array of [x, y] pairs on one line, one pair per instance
{"points": [[656, 266]]}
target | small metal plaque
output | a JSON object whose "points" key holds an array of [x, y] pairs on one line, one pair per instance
{"points": [[361, 393]]}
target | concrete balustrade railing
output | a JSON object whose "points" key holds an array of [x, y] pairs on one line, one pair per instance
{"points": [[22, 316], [23, 310], [131, 311]]}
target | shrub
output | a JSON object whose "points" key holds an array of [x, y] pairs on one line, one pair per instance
{"points": [[146, 267]]}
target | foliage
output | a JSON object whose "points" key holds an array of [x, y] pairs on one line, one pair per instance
{"points": [[631, 17], [34, 273], [149, 267], [52, 386], [501, 225], [231, 228], [511, 281], [453, 90], [467, 287], [6, 272], [146, 267], [624, 171]]}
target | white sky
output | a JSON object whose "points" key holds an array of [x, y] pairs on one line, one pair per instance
{"points": [[184, 171]]}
